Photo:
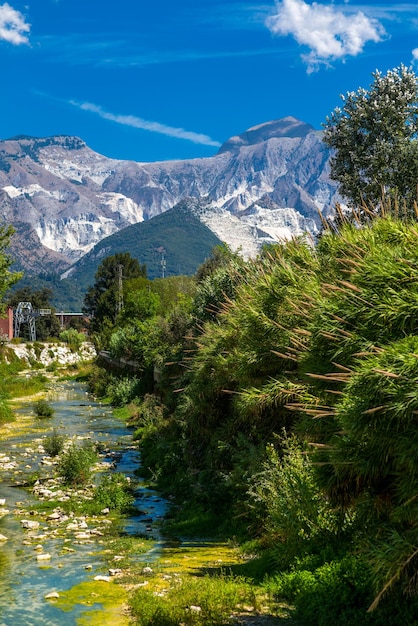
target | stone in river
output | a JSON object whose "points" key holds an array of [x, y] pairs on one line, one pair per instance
{"points": [[53, 595], [29, 524]]}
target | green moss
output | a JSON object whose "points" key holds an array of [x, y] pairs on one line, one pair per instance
{"points": [[108, 599]]}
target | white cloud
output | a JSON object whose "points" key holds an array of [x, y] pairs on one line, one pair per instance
{"points": [[154, 127], [12, 25], [329, 33], [415, 54]]}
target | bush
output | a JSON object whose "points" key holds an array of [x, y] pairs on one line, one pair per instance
{"points": [[73, 338], [114, 493], [54, 444], [6, 413], [76, 464], [148, 416], [99, 381], [43, 409], [121, 391], [336, 593], [292, 508]]}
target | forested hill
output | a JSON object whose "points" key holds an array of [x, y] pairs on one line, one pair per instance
{"points": [[176, 236]]}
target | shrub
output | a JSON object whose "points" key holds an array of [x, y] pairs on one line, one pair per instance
{"points": [[98, 381], [148, 416], [336, 593], [76, 464], [6, 414], [114, 493], [123, 390], [43, 409], [293, 508], [54, 444], [73, 338]]}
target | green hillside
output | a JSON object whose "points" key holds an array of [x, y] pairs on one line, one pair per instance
{"points": [[177, 235]]}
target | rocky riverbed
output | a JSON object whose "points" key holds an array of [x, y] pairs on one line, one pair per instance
{"points": [[48, 548], [60, 563]]}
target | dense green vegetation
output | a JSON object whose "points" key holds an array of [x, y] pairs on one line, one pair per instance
{"points": [[284, 407]]}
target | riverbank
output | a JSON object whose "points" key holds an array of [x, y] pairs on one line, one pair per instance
{"points": [[53, 538], [103, 567], [46, 354]]}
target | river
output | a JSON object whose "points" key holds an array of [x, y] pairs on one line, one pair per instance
{"points": [[24, 579]]}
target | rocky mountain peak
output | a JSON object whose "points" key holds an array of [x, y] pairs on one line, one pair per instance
{"points": [[269, 182], [284, 127], [24, 145]]}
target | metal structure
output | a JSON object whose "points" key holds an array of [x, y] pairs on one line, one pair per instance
{"points": [[25, 314], [119, 306], [163, 265]]}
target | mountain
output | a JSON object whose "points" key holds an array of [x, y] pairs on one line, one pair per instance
{"points": [[176, 238], [267, 183]]}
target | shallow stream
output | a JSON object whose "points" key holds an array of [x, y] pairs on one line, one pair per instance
{"points": [[24, 580]]}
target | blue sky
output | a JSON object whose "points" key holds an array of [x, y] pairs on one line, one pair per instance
{"points": [[157, 80]]}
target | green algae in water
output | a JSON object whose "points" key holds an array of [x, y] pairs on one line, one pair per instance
{"points": [[107, 599]]}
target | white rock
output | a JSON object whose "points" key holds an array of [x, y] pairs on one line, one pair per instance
{"points": [[82, 536], [3, 538], [43, 557], [54, 516], [29, 524], [53, 595], [105, 579], [115, 571]]}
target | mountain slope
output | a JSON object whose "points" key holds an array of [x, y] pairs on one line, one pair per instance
{"points": [[71, 198], [176, 236]]}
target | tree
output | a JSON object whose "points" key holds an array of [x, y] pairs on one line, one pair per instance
{"points": [[375, 138], [102, 299], [7, 278]]}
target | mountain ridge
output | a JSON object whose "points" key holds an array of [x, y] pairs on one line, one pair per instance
{"points": [[275, 174]]}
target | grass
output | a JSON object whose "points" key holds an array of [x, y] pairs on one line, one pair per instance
{"points": [[193, 600], [14, 386]]}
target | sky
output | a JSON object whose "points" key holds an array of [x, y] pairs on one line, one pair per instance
{"points": [[155, 80]]}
